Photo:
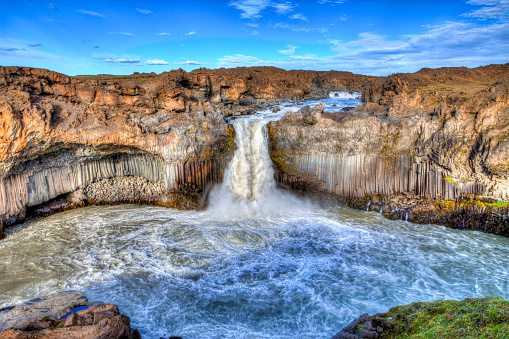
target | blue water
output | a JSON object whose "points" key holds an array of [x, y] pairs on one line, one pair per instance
{"points": [[283, 270]]}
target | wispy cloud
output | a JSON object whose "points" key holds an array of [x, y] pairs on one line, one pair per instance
{"points": [[299, 29], [122, 33], [163, 34], [255, 32], [35, 44], [492, 9], [236, 60], [251, 9], [189, 62], [82, 11], [11, 49], [448, 44], [298, 16], [323, 2], [191, 33], [51, 6], [144, 11], [282, 8], [252, 24], [156, 62], [291, 50], [121, 61]]}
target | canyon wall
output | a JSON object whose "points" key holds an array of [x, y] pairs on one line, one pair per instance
{"points": [[59, 135], [427, 147], [161, 139]]}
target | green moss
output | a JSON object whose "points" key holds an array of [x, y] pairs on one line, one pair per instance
{"points": [[60, 325], [470, 318]]}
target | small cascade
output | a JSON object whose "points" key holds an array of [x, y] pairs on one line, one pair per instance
{"points": [[343, 95]]}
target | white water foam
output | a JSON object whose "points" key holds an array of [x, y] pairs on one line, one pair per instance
{"points": [[343, 95]]}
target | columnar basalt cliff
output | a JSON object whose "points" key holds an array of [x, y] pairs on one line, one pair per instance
{"points": [[91, 140], [69, 141], [428, 147]]}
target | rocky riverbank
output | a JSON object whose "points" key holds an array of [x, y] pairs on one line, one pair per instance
{"points": [[65, 315], [470, 318], [429, 147]]}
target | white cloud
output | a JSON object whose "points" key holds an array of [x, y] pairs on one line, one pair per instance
{"points": [[82, 11], [493, 9], [323, 2], [251, 9], [191, 33], [298, 16], [250, 24], [237, 60], [156, 62], [255, 33], [122, 33], [291, 50], [451, 44], [51, 6], [144, 11], [297, 29], [163, 33], [282, 8], [189, 62], [122, 61]]}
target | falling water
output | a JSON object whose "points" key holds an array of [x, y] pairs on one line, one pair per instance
{"points": [[249, 188], [258, 263]]}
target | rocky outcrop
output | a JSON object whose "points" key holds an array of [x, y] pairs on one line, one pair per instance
{"points": [[146, 138], [65, 315], [60, 135], [470, 318], [408, 153], [242, 90]]}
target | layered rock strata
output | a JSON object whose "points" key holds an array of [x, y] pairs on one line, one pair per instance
{"points": [[409, 152], [65, 315], [68, 141], [61, 135]]}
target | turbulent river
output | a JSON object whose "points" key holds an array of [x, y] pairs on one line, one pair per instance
{"points": [[258, 263]]}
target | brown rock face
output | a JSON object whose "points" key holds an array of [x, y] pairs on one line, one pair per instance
{"points": [[61, 134], [421, 138], [43, 318], [143, 138]]}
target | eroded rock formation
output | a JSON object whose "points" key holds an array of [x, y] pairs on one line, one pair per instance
{"points": [[62, 134], [68, 141], [65, 315], [422, 147]]}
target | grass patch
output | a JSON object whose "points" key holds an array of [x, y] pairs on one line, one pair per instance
{"points": [[470, 318]]}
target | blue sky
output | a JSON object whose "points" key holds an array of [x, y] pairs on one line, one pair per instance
{"points": [[375, 37]]}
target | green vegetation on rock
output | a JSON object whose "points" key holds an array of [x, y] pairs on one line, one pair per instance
{"points": [[470, 318]]}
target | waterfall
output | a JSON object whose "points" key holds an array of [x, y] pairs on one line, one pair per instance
{"points": [[250, 175], [249, 187], [343, 95]]}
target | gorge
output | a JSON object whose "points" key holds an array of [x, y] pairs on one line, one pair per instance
{"points": [[245, 256]]}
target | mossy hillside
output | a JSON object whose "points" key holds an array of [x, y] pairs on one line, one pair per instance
{"points": [[470, 318]]}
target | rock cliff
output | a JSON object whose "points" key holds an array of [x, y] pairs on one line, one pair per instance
{"points": [[429, 147], [75, 139], [69, 141]]}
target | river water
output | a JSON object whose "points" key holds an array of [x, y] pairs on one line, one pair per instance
{"points": [[259, 263]]}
